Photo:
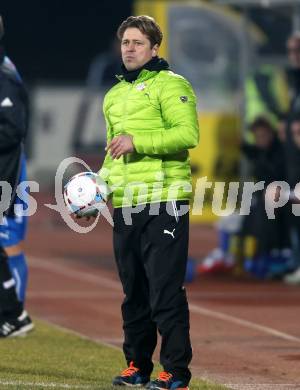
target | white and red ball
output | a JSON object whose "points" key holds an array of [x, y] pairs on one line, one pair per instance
{"points": [[85, 193]]}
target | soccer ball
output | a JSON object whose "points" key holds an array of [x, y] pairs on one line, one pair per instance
{"points": [[85, 194]]}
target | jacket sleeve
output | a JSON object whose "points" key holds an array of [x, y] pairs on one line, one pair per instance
{"points": [[13, 122], [106, 166], [179, 114]]}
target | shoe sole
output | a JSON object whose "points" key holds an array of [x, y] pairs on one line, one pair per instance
{"points": [[23, 331]]}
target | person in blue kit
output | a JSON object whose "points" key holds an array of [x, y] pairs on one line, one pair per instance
{"points": [[14, 320], [12, 235]]}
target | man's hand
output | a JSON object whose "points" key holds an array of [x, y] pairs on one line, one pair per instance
{"points": [[120, 145], [87, 215]]}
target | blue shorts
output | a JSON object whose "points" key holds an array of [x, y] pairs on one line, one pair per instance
{"points": [[13, 228]]}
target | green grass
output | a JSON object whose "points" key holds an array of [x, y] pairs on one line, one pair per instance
{"points": [[53, 358]]}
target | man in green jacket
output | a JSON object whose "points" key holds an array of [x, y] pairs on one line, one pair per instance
{"points": [[151, 122]]}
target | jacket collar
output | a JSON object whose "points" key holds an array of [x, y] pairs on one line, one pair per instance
{"points": [[155, 65]]}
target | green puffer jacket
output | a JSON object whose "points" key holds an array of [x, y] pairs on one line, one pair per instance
{"points": [[159, 111]]}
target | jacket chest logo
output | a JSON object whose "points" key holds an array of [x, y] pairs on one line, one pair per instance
{"points": [[141, 86]]}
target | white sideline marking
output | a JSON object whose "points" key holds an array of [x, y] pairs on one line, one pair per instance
{"points": [[112, 341], [64, 294], [35, 293], [238, 321], [110, 283], [295, 293], [43, 384], [68, 271], [83, 336]]}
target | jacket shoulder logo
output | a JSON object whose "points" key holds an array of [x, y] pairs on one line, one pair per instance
{"points": [[184, 99], [141, 87], [6, 102]]}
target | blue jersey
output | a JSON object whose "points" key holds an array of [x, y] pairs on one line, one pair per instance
{"points": [[14, 124]]}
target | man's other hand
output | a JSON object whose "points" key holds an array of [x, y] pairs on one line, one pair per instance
{"points": [[120, 145]]}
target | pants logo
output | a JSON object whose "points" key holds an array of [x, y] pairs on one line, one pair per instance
{"points": [[168, 232]]}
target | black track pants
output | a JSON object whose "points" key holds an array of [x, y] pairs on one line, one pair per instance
{"points": [[151, 255]]}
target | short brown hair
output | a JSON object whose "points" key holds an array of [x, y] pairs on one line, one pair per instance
{"points": [[261, 121], [146, 24]]}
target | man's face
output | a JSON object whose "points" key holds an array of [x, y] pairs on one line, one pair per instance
{"points": [[296, 132], [293, 48], [263, 137], [136, 49]]}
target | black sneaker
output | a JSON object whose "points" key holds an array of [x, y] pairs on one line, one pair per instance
{"points": [[131, 377], [166, 380], [16, 326]]}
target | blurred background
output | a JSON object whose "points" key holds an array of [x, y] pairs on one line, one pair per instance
{"points": [[232, 51], [56, 47], [245, 320]]}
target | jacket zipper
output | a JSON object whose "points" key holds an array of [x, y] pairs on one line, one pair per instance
{"points": [[124, 114]]}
